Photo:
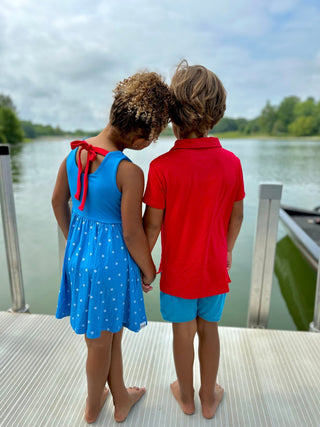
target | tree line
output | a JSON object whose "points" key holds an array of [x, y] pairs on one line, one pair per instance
{"points": [[292, 117]]}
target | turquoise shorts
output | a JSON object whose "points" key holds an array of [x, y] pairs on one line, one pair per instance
{"points": [[178, 310]]}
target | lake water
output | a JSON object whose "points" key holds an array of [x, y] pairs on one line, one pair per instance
{"points": [[293, 163]]}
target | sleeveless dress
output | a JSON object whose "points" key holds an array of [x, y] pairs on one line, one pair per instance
{"points": [[101, 283]]}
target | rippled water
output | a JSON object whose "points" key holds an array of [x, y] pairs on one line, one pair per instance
{"points": [[293, 163]]}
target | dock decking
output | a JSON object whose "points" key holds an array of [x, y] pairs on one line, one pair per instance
{"points": [[271, 378]]}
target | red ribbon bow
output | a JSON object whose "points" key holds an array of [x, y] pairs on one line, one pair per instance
{"points": [[91, 156]]}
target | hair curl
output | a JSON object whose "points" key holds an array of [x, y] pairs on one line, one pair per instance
{"points": [[199, 97], [142, 103]]}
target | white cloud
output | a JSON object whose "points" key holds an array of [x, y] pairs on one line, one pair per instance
{"points": [[61, 59], [283, 6]]}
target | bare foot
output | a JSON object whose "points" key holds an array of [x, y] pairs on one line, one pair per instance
{"points": [[209, 407], [91, 415], [122, 411], [188, 408]]}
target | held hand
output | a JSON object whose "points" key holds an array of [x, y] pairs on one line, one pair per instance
{"points": [[146, 288], [146, 282], [229, 260]]}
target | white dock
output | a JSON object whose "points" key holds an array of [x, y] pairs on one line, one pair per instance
{"points": [[271, 378]]}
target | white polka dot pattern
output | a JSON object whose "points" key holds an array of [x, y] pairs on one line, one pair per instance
{"points": [[101, 289]]}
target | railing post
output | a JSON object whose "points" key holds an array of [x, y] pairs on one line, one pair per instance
{"points": [[11, 233], [315, 325], [264, 254]]}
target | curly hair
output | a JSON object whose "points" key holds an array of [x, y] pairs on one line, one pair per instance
{"points": [[141, 103], [200, 99]]}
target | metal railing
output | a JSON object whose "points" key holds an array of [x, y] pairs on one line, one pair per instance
{"points": [[264, 254], [315, 325], [11, 233]]}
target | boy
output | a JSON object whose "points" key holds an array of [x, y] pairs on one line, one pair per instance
{"points": [[194, 197]]}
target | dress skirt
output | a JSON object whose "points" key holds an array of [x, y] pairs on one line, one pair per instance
{"points": [[101, 283]]}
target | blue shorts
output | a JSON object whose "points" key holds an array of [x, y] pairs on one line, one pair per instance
{"points": [[178, 310]]}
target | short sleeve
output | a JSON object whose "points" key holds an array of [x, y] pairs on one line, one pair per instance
{"points": [[155, 194], [240, 188]]}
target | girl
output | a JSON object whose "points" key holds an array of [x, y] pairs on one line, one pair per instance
{"points": [[107, 252]]}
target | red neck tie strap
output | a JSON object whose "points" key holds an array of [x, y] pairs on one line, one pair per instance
{"points": [[92, 154]]}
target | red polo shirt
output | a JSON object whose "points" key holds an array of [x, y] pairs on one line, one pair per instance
{"points": [[196, 183]]}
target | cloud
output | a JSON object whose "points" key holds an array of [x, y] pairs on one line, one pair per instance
{"points": [[61, 59]]}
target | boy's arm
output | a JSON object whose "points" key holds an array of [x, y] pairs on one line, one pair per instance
{"points": [[60, 199], [152, 221], [234, 226]]}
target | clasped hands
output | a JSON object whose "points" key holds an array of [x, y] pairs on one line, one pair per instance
{"points": [[146, 283]]}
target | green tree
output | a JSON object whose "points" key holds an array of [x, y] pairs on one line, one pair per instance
{"points": [[226, 125], [28, 129], [285, 111], [303, 126], [317, 118], [252, 126], [241, 124], [6, 101], [10, 127], [267, 118], [306, 108], [3, 139], [278, 128]]}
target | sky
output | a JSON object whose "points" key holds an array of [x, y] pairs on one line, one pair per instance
{"points": [[60, 59]]}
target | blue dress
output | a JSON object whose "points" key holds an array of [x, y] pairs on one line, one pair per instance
{"points": [[101, 283]]}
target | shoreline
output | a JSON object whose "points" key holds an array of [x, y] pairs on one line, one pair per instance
{"points": [[220, 135], [237, 135]]}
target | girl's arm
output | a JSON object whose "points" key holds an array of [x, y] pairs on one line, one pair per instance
{"points": [[152, 221], [60, 199], [234, 229], [130, 181]]}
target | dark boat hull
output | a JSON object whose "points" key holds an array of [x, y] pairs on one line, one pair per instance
{"points": [[304, 229]]}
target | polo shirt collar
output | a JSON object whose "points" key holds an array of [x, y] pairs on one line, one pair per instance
{"points": [[208, 142]]}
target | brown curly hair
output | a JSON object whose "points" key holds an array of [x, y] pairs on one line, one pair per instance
{"points": [[142, 103], [200, 99]]}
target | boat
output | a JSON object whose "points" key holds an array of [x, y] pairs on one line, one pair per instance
{"points": [[303, 227], [297, 281]]}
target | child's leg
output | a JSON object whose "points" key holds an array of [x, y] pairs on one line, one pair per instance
{"points": [[123, 398], [97, 367], [183, 352], [209, 353]]}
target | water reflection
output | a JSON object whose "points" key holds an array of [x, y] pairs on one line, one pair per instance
{"points": [[16, 162], [297, 281]]}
